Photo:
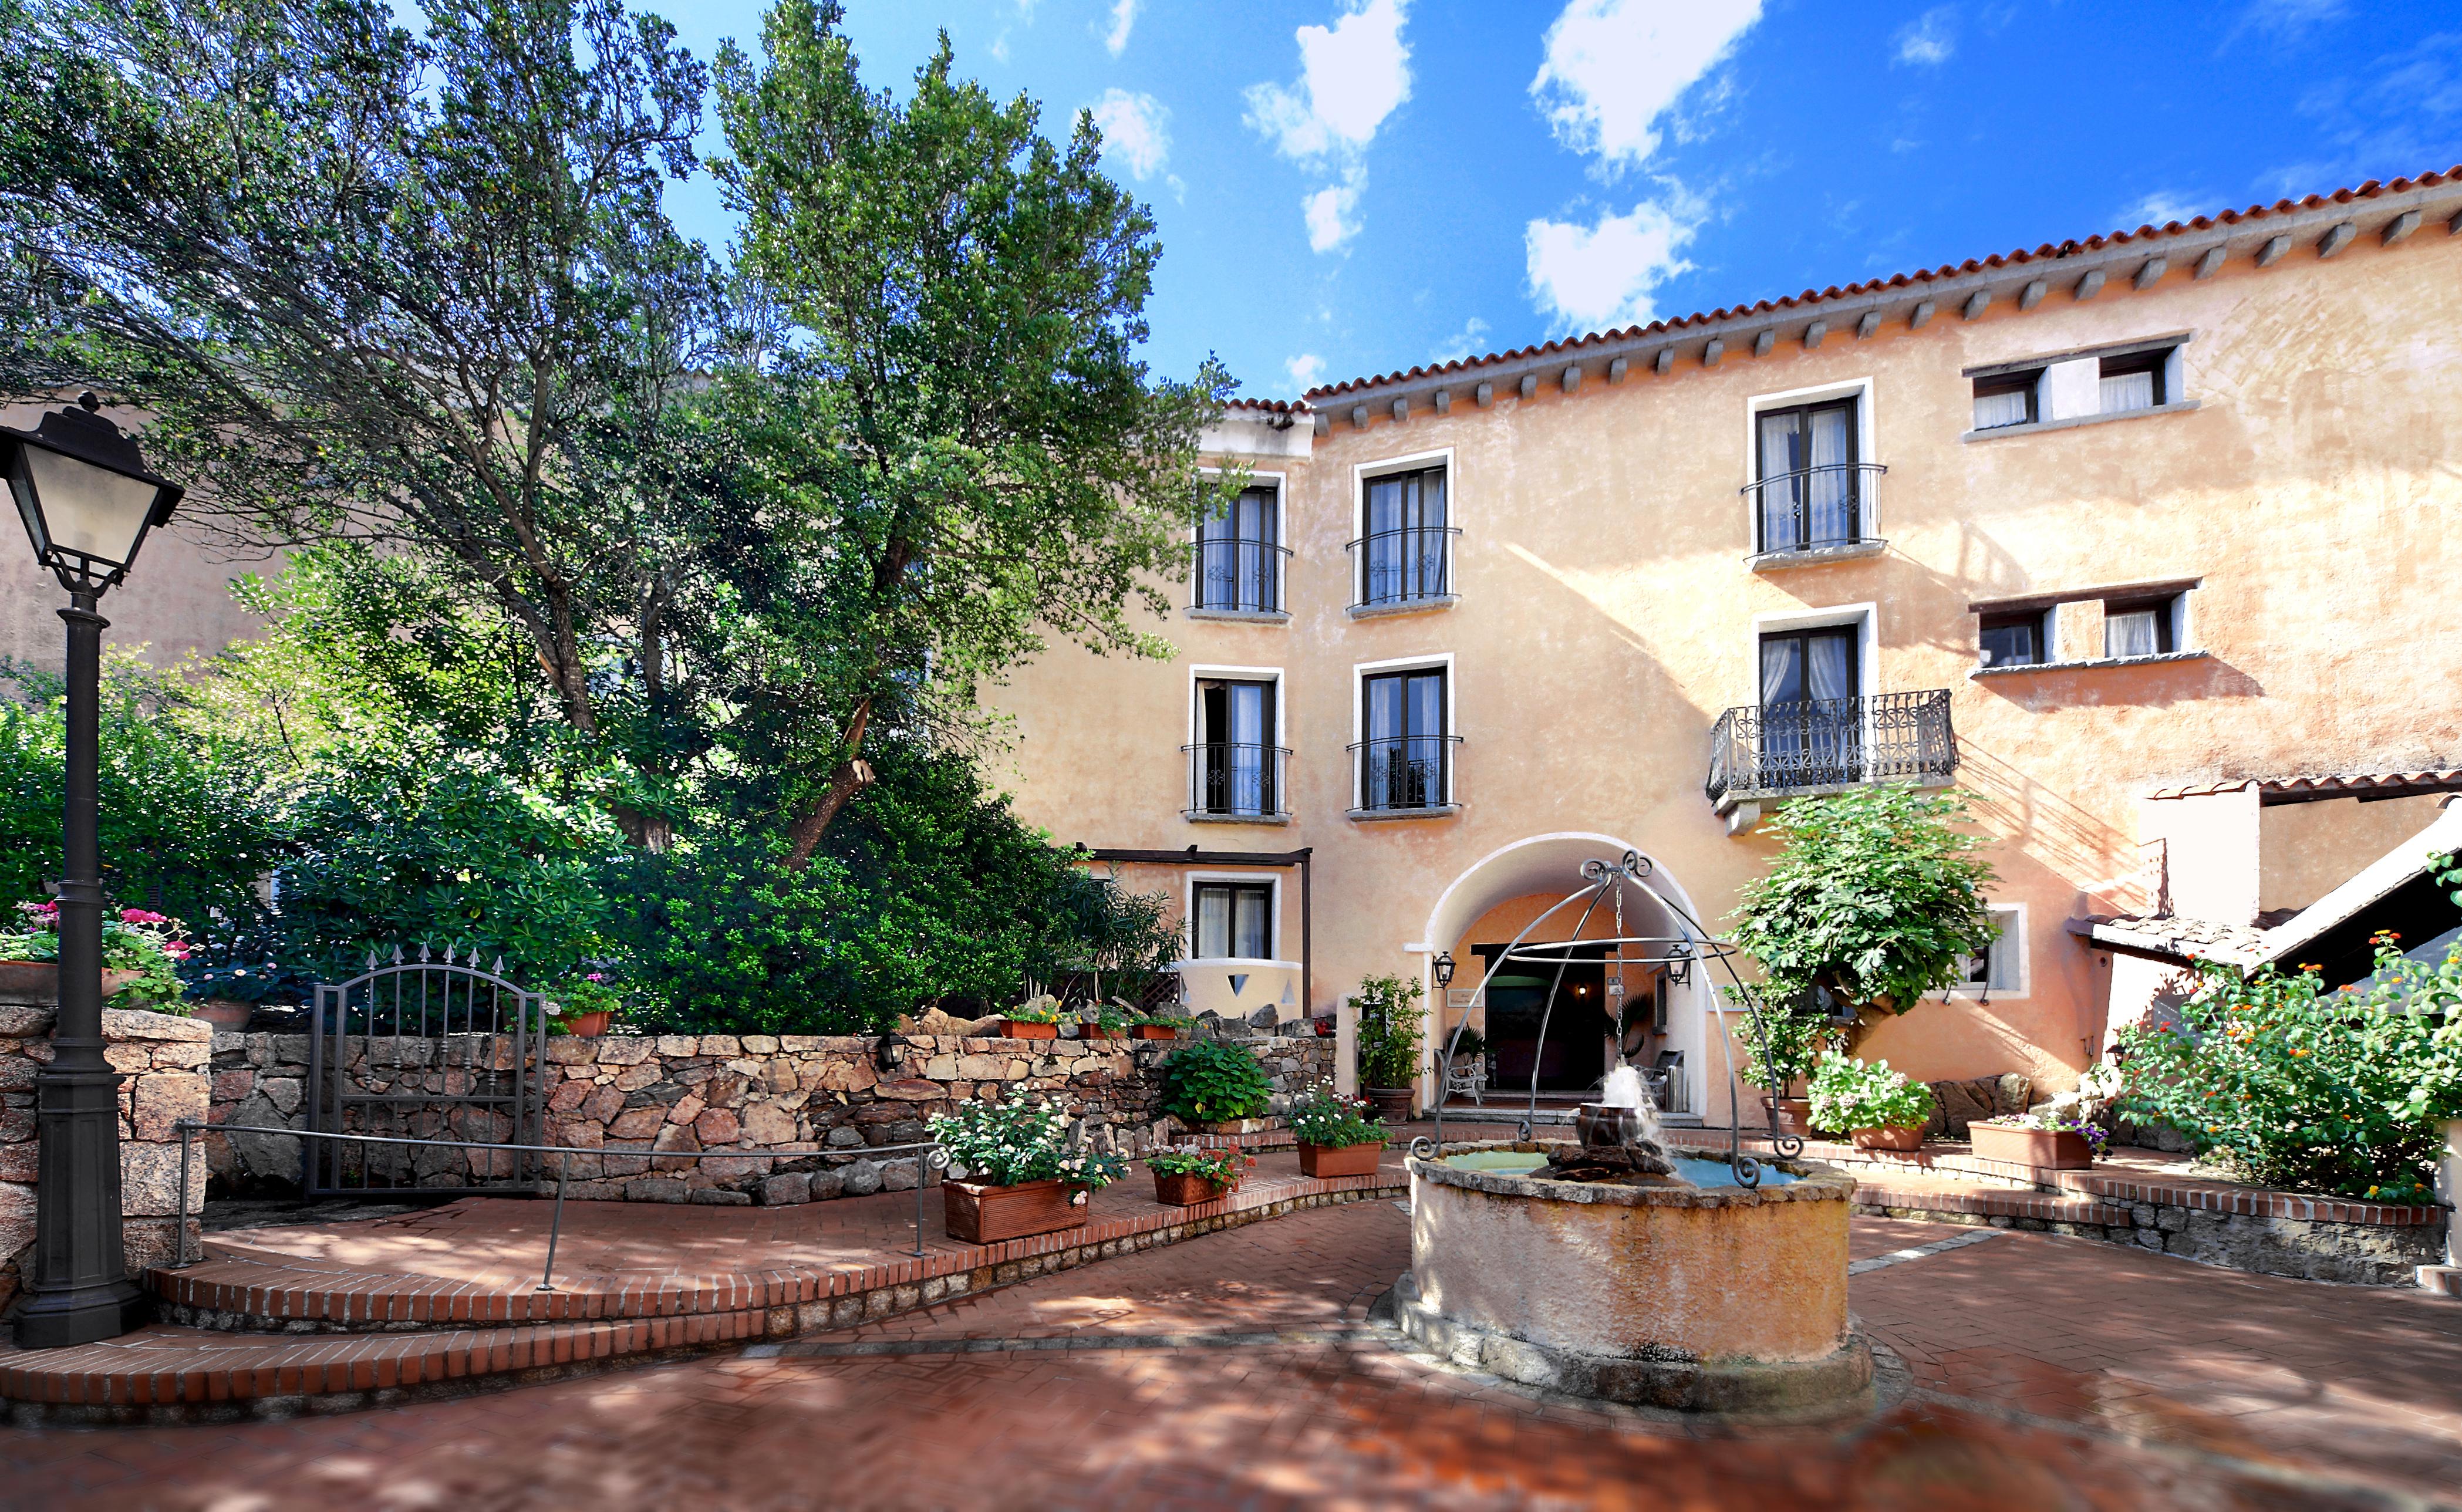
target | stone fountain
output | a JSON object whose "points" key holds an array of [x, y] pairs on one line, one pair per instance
{"points": [[1606, 1267]]}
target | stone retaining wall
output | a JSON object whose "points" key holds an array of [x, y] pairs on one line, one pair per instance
{"points": [[2309, 1249], [161, 1058], [643, 1100]]}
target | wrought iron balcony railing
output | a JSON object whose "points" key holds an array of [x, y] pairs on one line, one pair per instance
{"points": [[1232, 780], [1402, 772], [1814, 509], [1237, 575], [1774, 750], [1411, 565]]}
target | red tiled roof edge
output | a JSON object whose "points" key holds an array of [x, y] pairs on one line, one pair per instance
{"points": [[2369, 190]]}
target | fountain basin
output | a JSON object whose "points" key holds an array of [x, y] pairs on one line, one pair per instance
{"points": [[1701, 1299]]}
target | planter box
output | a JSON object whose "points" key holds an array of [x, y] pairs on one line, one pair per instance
{"points": [[987, 1215], [1910, 1137], [226, 1016], [1152, 1031], [1020, 1030], [2046, 1149], [1092, 1033], [1184, 1190], [587, 1025], [1392, 1103], [41, 979], [1323, 1161]]}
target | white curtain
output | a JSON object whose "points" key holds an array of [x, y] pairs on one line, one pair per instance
{"points": [[1781, 457], [1832, 484], [2123, 392], [1995, 410], [1832, 659], [2129, 635]]}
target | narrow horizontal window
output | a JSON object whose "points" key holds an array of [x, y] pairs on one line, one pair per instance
{"points": [[2141, 627], [2134, 382], [2007, 398], [2012, 640]]}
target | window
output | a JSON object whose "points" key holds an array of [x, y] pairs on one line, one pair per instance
{"points": [[1235, 765], [1403, 555], [2133, 382], [2007, 398], [2140, 627], [1234, 918], [1238, 559], [1811, 718], [2000, 968], [2011, 640], [1807, 492], [1404, 763]]}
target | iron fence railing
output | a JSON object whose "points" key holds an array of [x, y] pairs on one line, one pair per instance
{"points": [[1404, 771], [1238, 574], [1236, 779], [1772, 749], [1813, 509], [1408, 565]]}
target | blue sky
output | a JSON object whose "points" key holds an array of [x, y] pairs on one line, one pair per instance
{"points": [[1354, 187]]}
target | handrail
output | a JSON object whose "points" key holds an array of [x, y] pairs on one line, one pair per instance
{"points": [[1267, 769], [1441, 759], [1434, 562], [933, 1158], [1874, 467], [1247, 568], [1776, 748], [1855, 484]]}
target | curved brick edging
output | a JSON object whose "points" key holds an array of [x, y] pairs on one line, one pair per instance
{"points": [[168, 1374]]}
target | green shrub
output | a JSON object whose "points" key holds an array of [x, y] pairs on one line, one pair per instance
{"points": [[1849, 1094], [1388, 1032], [1224, 1168], [1787, 1039], [1213, 1082], [2289, 1085], [1002, 1144]]}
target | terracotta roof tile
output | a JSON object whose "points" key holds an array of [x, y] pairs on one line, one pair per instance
{"points": [[2371, 190], [2351, 781]]}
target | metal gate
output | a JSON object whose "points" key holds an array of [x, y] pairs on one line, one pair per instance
{"points": [[425, 1049]]}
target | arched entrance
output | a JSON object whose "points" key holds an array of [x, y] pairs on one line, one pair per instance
{"points": [[1603, 1011]]}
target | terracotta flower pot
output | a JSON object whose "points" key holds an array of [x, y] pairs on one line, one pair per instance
{"points": [[1152, 1031], [41, 979], [1185, 1190], [1392, 1103], [225, 1015], [975, 1214], [1323, 1161], [1791, 1118], [587, 1025], [1093, 1033], [1021, 1030], [2044, 1149], [1910, 1137]]}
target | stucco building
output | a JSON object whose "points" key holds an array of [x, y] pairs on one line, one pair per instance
{"points": [[2138, 540]]}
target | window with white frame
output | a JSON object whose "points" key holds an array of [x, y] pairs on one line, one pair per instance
{"points": [[1239, 566], [1405, 551], [2001, 966], [1232, 920]]}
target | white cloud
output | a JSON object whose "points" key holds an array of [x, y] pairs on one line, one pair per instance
{"points": [[1929, 40], [1352, 75], [2162, 206], [1136, 131], [1461, 343], [1124, 15], [1590, 277], [1305, 370], [1615, 67], [2284, 20]]}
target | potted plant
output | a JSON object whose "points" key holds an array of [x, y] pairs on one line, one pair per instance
{"points": [[1389, 1044], [584, 1006], [2046, 1141], [1788, 1040], [1037, 1018], [1186, 1176], [142, 951], [1880, 1109], [1336, 1138], [1216, 1086], [1107, 1023], [1022, 1175], [1157, 1026]]}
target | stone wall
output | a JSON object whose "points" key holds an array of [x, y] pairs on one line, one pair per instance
{"points": [[734, 1101], [161, 1058]]}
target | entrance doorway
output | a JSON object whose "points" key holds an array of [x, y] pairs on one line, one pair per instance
{"points": [[1578, 1031]]}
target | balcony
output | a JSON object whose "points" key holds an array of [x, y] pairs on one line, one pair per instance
{"points": [[1235, 782], [1405, 776], [1236, 577], [1815, 514], [1796, 751], [1403, 570]]}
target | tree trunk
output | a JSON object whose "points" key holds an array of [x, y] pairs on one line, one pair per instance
{"points": [[853, 775]]}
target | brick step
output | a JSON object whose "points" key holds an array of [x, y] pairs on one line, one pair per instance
{"points": [[166, 1373]]}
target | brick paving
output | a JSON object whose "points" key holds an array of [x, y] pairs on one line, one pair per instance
{"points": [[2046, 1372]]}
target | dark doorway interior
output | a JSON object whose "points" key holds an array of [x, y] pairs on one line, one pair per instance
{"points": [[1575, 1055]]}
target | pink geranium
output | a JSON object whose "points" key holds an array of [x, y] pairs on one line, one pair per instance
{"points": [[143, 916]]}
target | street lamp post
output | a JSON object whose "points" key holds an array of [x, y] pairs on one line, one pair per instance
{"points": [[87, 501]]}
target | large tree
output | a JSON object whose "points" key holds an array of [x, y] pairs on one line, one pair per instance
{"points": [[961, 420]]}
